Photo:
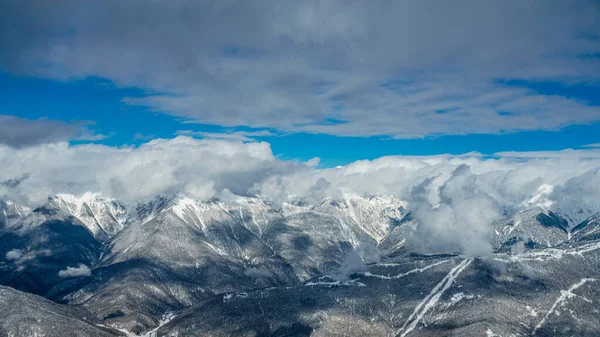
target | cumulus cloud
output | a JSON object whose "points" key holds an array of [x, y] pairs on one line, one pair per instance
{"points": [[454, 198], [457, 218], [81, 270], [200, 168], [14, 254], [344, 67], [19, 132]]}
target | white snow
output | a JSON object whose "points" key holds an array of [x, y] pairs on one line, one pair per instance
{"points": [[99, 214], [490, 333], [431, 300], [532, 311], [216, 249], [541, 199], [166, 318], [457, 298], [549, 253], [335, 283], [417, 270], [564, 295], [187, 206]]}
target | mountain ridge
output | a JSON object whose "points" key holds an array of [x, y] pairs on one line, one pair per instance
{"points": [[130, 266]]}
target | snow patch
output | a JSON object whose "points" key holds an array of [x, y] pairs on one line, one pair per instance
{"points": [[532, 311], [490, 333]]}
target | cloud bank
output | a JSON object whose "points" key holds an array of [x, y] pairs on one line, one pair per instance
{"points": [[455, 198], [397, 68], [199, 168]]}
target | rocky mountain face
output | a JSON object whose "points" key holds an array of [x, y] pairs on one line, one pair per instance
{"points": [[175, 266]]}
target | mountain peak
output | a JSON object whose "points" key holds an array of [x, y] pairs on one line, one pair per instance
{"points": [[103, 216]]}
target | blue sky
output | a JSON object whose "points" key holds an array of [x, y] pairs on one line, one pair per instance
{"points": [[339, 82], [99, 101]]}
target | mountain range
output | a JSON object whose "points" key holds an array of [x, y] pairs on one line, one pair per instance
{"points": [[88, 265]]}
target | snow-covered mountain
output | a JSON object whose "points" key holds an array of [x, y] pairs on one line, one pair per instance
{"points": [[104, 217], [569, 208], [11, 212], [247, 266]]}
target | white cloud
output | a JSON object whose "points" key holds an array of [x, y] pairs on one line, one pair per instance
{"points": [[14, 254], [81, 270], [344, 67], [353, 264], [576, 154], [199, 167], [459, 217], [456, 198]]}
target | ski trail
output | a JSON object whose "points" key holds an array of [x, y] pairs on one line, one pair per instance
{"points": [[564, 295], [430, 301], [167, 317], [417, 270]]}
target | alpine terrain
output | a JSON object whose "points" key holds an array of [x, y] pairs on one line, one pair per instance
{"points": [[86, 265]]}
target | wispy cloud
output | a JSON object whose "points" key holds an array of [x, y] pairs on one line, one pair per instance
{"points": [[141, 136], [582, 154], [240, 136], [20, 132]]}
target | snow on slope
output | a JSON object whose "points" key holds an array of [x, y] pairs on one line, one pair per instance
{"points": [[431, 300], [564, 295], [102, 216], [10, 212], [571, 208]]}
